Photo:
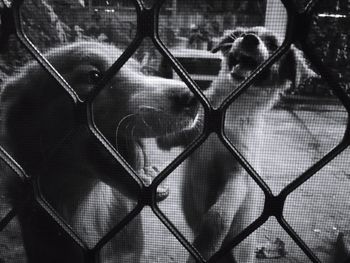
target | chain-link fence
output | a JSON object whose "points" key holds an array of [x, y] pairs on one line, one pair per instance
{"points": [[80, 248]]}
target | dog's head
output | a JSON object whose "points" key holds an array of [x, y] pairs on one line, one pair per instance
{"points": [[37, 113], [244, 49]]}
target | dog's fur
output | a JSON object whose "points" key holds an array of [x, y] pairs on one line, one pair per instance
{"points": [[40, 127], [219, 198]]}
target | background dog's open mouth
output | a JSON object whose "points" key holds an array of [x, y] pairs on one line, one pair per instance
{"points": [[242, 59], [241, 66]]}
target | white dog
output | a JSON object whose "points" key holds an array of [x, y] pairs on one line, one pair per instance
{"points": [[219, 197]]}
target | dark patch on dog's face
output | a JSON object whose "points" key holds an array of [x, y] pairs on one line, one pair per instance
{"points": [[270, 41]]}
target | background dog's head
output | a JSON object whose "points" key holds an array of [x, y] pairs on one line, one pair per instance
{"points": [[245, 49]]}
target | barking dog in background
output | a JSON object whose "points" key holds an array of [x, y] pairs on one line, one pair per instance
{"points": [[75, 174], [219, 198]]}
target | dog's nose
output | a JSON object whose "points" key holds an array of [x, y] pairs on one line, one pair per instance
{"points": [[183, 100], [250, 40]]}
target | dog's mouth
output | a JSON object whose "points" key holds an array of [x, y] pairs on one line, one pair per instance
{"points": [[153, 122], [241, 65], [129, 133]]}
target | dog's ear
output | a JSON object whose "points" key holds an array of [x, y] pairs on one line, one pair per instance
{"points": [[18, 125], [226, 41], [224, 45], [28, 109], [294, 67]]}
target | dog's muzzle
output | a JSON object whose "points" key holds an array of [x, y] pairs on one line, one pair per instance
{"points": [[243, 58], [250, 41]]}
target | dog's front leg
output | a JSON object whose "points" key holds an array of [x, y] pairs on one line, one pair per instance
{"points": [[216, 222], [245, 251]]}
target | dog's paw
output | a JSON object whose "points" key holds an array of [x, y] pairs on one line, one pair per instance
{"points": [[147, 174]]}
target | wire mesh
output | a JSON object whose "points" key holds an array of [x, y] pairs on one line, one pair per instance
{"points": [[148, 26]]}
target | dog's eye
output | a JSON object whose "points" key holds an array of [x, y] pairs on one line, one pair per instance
{"points": [[94, 75]]}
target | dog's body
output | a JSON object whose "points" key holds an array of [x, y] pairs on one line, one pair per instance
{"points": [[42, 129], [219, 197]]}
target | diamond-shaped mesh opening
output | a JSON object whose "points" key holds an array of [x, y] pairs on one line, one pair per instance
{"points": [[322, 207]]}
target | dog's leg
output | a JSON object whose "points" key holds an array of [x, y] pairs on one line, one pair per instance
{"points": [[249, 210], [216, 223], [245, 251]]}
